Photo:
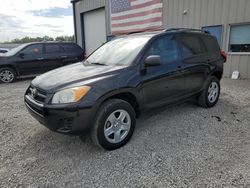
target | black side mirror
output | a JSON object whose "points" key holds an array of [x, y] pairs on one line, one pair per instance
{"points": [[153, 60], [21, 55]]}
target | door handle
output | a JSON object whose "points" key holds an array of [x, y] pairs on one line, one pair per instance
{"points": [[179, 67], [40, 58]]}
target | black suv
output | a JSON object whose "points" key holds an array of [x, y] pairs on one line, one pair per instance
{"points": [[130, 74], [36, 58]]}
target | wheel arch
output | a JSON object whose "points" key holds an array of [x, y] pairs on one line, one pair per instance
{"points": [[218, 74], [11, 67], [127, 96]]}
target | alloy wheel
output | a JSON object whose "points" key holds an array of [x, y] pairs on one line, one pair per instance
{"points": [[213, 92], [6, 76], [117, 126]]}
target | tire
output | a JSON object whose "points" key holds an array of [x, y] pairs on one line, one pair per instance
{"points": [[114, 125], [7, 75], [211, 93]]}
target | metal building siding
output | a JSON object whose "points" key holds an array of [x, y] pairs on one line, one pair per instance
{"points": [[89, 5], [212, 12], [200, 13]]}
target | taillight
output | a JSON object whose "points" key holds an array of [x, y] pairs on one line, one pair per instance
{"points": [[224, 55]]}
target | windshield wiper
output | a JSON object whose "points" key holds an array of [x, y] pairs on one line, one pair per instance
{"points": [[102, 64]]}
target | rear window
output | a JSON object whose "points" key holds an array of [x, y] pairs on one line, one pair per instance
{"points": [[71, 48], [211, 43], [190, 46]]}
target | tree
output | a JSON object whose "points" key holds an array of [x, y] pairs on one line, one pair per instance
{"points": [[41, 39]]}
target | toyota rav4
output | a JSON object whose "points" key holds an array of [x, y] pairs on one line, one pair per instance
{"points": [[104, 94]]}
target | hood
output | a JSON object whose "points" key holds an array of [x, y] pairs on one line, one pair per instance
{"points": [[77, 73]]}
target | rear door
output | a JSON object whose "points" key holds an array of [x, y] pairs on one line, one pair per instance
{"points": [[30, 60], [52, 58], [165, 83], [195, 60]]}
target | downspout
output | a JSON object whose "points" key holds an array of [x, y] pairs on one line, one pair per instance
{"points": [[74, 14]]}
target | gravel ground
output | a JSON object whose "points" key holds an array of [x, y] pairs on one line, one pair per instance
{"points": [[180, 146]]}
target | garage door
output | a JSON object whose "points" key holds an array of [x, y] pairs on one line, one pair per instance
{"points": [[94, 29]]}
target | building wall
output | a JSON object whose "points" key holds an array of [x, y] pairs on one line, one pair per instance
{"points": [[199, 13], [88, 5], [212, 12]]}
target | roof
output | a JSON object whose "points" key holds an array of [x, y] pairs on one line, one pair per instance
{"points": [[171, 30]]}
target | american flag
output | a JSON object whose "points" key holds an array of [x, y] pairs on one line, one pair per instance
{"points": [[135, 15]]}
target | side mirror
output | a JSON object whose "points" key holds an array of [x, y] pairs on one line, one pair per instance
{"points": [[21, 55], [153, 60]]}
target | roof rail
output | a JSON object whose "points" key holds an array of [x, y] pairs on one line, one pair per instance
{"points": [[186, 29]]}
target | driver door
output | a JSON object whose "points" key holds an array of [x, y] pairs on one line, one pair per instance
{"points": [[164, 83], [31, 59]]}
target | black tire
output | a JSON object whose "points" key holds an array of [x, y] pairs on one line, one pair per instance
{"points": [[105, 111], [12, 74], [203, 99]]}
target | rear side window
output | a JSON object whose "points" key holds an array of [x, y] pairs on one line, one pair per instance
{"points": [[190, 46], [211, 43], [71, 48], [52, 48]]}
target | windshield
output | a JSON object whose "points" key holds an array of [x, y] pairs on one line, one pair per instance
{"points": [[120, 51], [15, 50]]}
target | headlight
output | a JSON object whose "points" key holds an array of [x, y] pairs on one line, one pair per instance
{"points": [[70, 95]]}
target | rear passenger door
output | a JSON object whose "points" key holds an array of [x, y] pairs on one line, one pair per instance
{"points": [[52, 58], [195, 60], [71, 53]]}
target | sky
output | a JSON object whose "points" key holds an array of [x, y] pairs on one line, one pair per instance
{"points": [[35, 18]]}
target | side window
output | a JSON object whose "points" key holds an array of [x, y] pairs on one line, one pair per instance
{"points": [[166, 48], [34, 49], [190, 46], [52, 48], [211, 44]]}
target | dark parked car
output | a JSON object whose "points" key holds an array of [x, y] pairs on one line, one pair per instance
{"points": [[36, 58], [3, 50], [104, 94]]}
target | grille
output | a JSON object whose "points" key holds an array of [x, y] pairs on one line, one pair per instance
{"points": [[37, 94]]}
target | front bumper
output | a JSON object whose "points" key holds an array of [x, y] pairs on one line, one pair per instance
{"points": [[61, 119]]}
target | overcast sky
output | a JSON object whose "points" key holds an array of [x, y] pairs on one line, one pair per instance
{"points": [[20, 18]]}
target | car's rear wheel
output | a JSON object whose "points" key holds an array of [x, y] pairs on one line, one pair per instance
{"points": [[114, 124], [210, 95], [7, 75]]}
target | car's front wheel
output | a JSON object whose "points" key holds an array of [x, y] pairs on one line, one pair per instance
{"points": [[7, 75], [211, 93], [114, 124]]}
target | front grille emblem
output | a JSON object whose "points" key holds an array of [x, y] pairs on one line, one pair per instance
{"points": [[33, 92]]}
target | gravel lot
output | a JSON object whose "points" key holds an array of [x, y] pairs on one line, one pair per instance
{"points": [[180, 146]]}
